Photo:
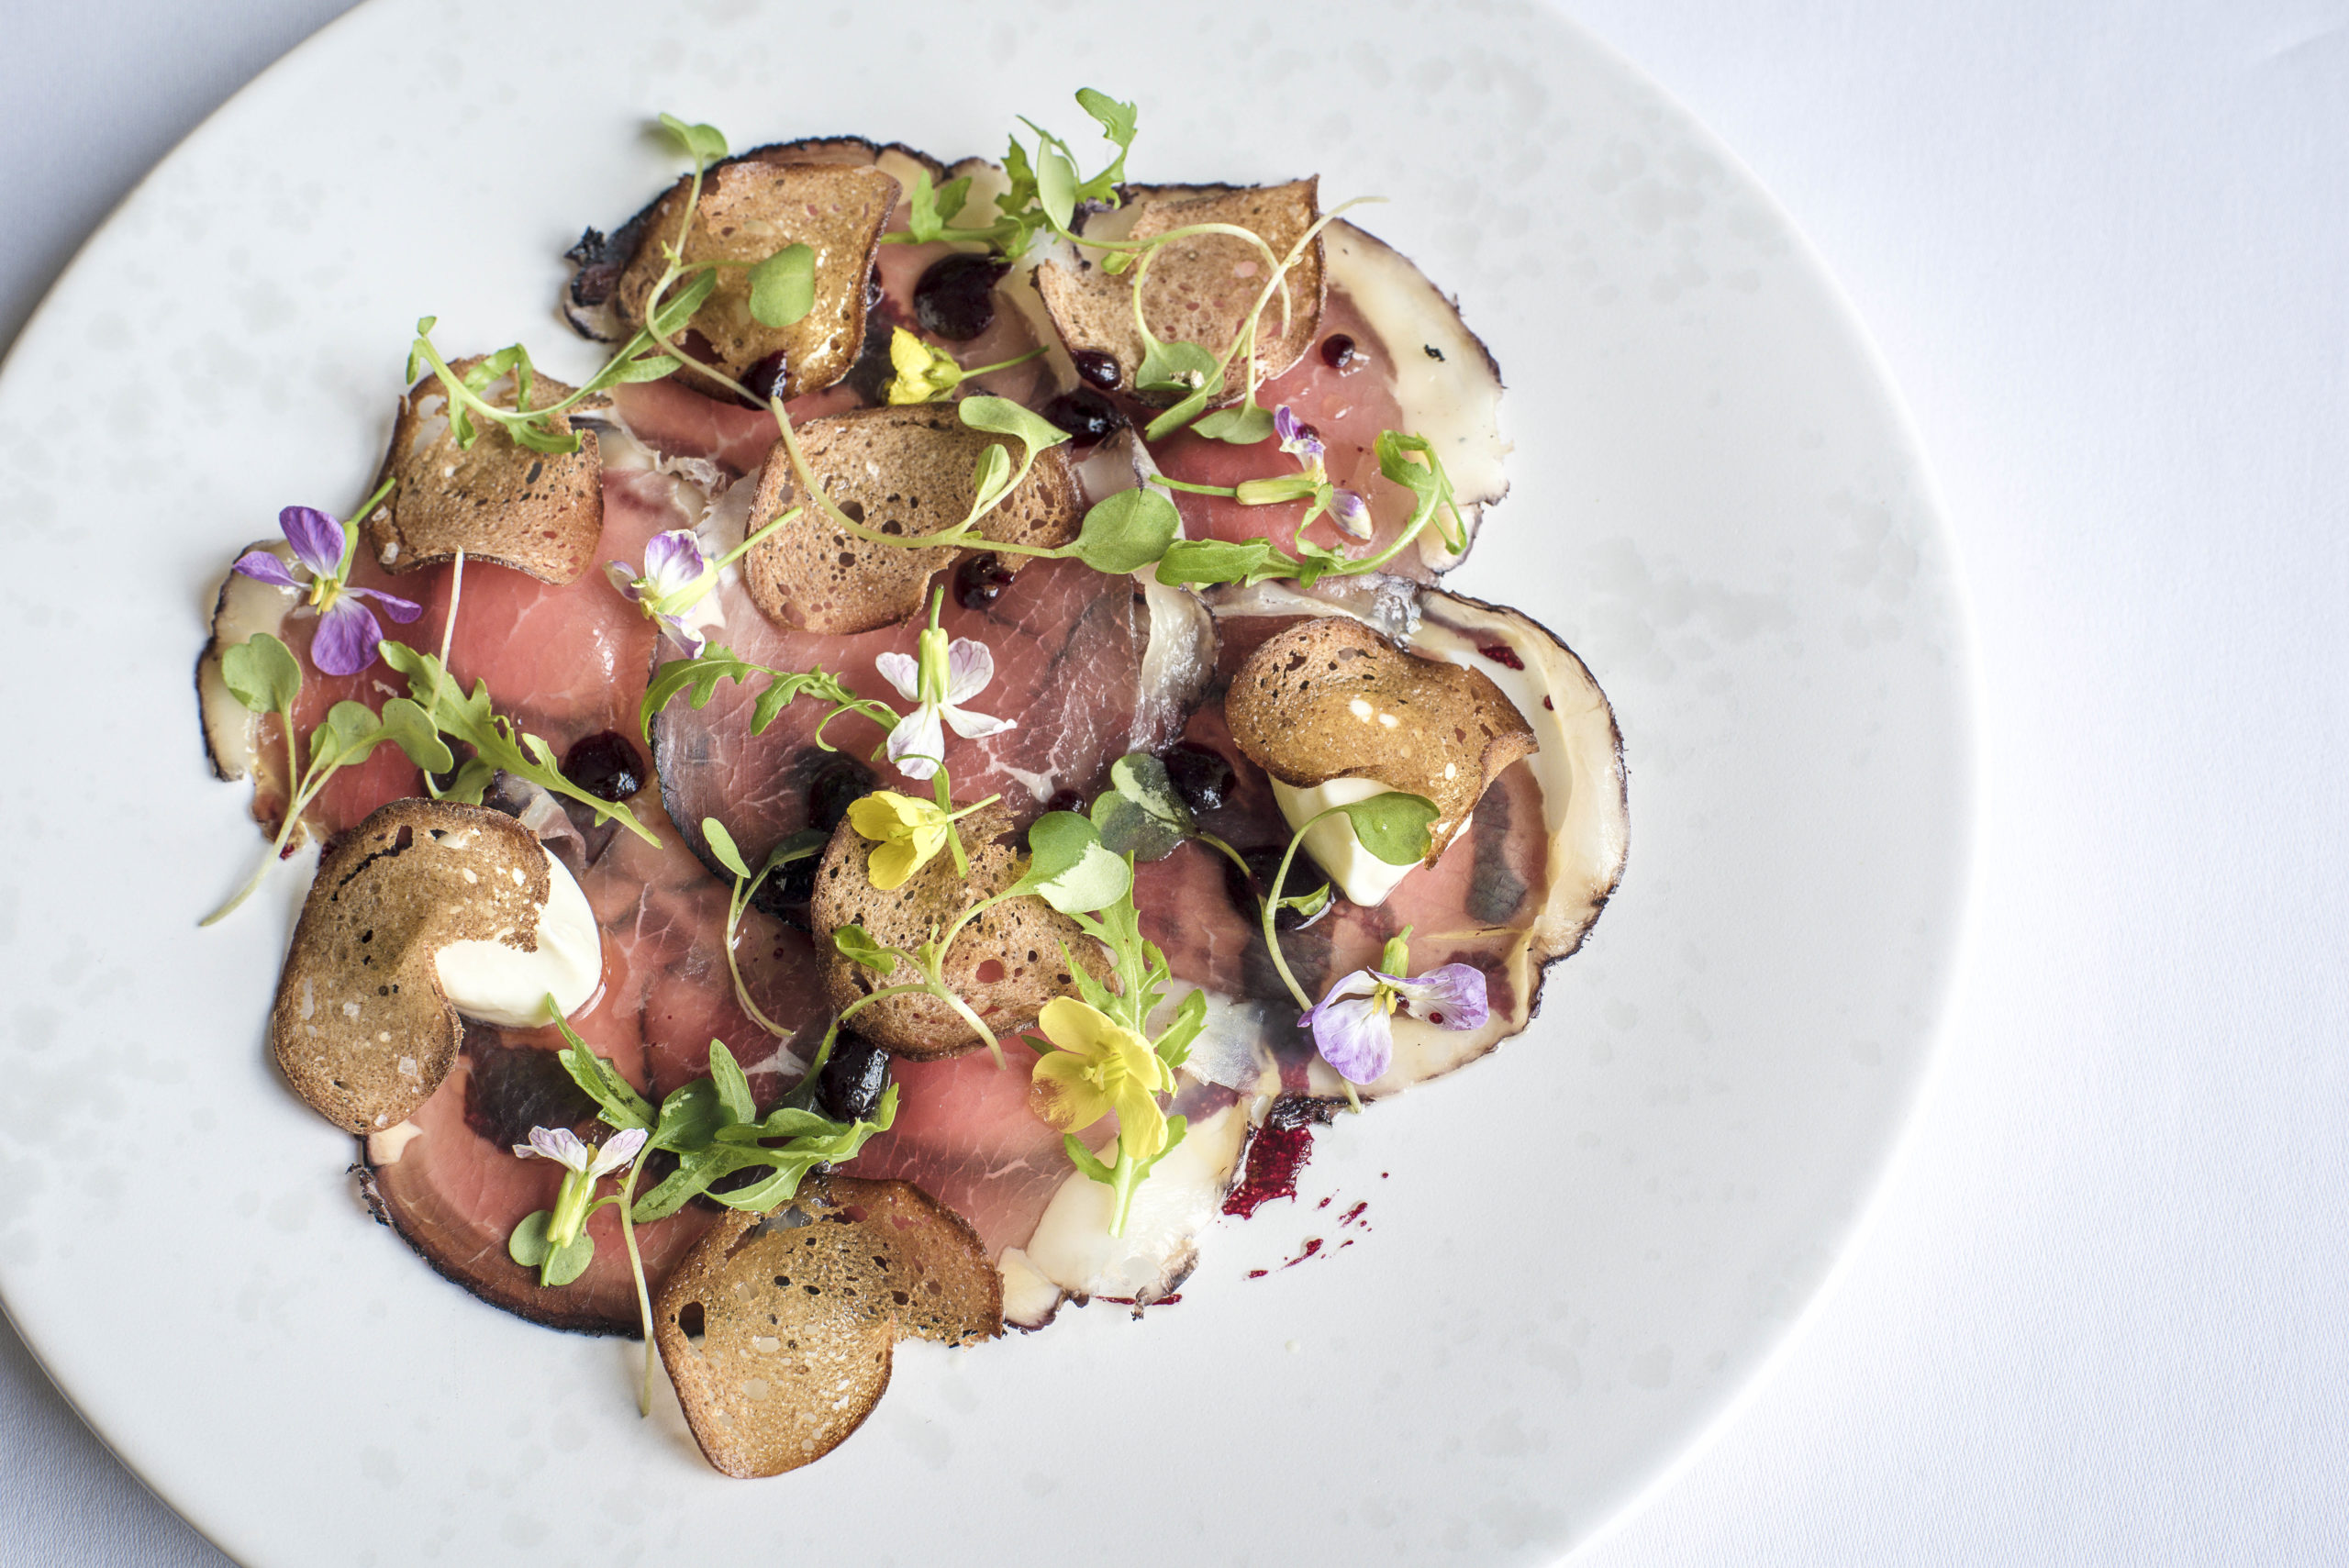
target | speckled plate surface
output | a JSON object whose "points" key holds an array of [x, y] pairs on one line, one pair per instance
{"points": [[1574, 1254]]}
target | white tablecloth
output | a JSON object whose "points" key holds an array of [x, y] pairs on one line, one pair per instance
{"points": [[2098, 1315]]}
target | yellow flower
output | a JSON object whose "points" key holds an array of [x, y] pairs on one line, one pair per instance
{"points": [[924, 374], [908, 832], [1100, 1067]]}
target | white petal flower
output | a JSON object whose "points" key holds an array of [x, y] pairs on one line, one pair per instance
{"points": [[618, 1151], [936, 682], [918, 744], [558, 1144]]}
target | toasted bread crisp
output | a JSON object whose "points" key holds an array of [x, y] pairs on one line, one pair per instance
{"points": [[1197, 290], [902, 471], [778, 1330], [536, 512], [750, 210], [361, 1027], [1330, 698], [1017, 943]]}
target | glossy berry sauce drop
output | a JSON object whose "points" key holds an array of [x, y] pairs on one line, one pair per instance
{"points": [[980, 579], [1084, 414], [607, 766], [1098, 369]]}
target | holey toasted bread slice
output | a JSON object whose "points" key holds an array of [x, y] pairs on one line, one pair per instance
{"points": [[1329, 699], [1198, 289], [1006, 964], [777, 1329], [748, 210], [903, 472], [499, 502], [361, 1027]]}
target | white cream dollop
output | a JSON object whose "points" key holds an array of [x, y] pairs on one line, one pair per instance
{"points": [[495, 983], [1361, 876]]}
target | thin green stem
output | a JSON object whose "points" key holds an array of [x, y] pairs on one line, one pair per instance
{"points": [[1272, 903], [1224, 490], [636, 1266]]}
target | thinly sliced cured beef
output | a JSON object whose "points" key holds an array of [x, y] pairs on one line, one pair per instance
{"points": [[1075, 664], [1514, 892]]}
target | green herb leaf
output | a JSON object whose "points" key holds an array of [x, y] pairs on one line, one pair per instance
{"points": [[569, 1262], [932, 207], [1002, 417], [690, 1118], [407, 725], [1173, 1044], [1393, 826], [703, 143], [1244, 426], [263, 673], [721, 844], [1126, 531], [1308, 905], [1223, 561], [616, 1098], [1085, 1160], [675, 311], [527, 1245], [1142, 816], [1056, 186], [855, 942], [782, 287], [1178, 368], [1118, 122], [733, 1085], [990, 477], [1070, 868]]}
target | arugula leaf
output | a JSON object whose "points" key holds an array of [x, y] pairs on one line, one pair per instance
{"points": [[782, 287], [1429, 486], [616, 1098], [703, 143], [496, 741], [721, 844], [795, 846], [855, 942], [1126, 531], [1069, 867], [261, 674], [1393, 826], [675, 311], [1085, 1160], [1118, 122], [1173, 1043], [933, 208]]}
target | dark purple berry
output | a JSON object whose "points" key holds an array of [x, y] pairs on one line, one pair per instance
{"points": [[1085, 415], [766, 379], [1304, 877], [1202, 776], [607, 766], [1066, 800], [1098, 368], [955, 298], [1337, 351], [854, 1077], [980, 581]]}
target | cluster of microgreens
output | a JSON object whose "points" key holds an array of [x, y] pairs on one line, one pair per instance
{"points": [[713, 1130], [1097, 1053]]}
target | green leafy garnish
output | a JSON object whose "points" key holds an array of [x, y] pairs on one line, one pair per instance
{"points": [[1126, 530], [782, 287]]}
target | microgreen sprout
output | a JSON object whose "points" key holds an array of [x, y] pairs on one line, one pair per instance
{"points": [[713, 1127], [799, 846], [1408, 460]]}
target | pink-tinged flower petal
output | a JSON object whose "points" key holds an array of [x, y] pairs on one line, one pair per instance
{"points": [[969, 668], [903, 671], [624, 578], [918, 744], [688, 637], [399, 609], [1353, 1036], [673, 561], [1351, 513], [1452, 997], [618, 1151], [976, 726], [264, 566], [558, 1144], [346, 638], [317, 538]]}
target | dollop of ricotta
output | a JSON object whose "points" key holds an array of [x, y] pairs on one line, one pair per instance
{"points": [[497, 983], [1361, 876]]}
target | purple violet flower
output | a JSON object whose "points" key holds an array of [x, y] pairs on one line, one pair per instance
{"points": [[1354, 1026], [347, 630], [1351, 513], [672, 587]]}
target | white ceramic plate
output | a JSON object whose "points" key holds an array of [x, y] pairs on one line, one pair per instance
{"points": [[1577, 1251]]}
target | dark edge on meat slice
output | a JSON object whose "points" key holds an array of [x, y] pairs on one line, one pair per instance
{"points": [[689, 833], [1598, 905], [569, 1322], [599, 259], [210, 650]]}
